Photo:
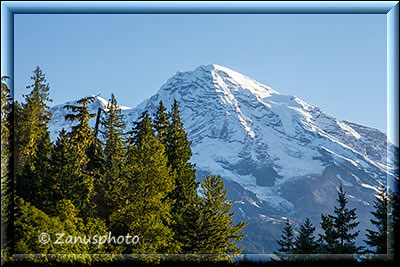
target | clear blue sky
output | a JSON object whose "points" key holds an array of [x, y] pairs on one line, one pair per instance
{"points": [[337, 62]]}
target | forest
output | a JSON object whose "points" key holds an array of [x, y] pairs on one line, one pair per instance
{"points": [[108, 180]]}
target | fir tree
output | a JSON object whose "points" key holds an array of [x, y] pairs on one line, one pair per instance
{"points": [[394, 224], [32, 118], [161, 123], [81, 134], [304, 242], [33, 182], [327, 242], [145, 211], [66, 180], [33, 146], [286, 243], [338, 237], [82, 138], [379, 238], [179, 154], [213, 231], [114, 157]]}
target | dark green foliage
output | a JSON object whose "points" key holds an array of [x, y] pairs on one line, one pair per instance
{"points": [[209, 228], [32, 183], [379, 238], [179, 154], [142, 186], [95, 168], [394, 225], [66, 181], [338, 237], [145, 211], [304, 242], [114, 158], [161, 123], [286, 243]]}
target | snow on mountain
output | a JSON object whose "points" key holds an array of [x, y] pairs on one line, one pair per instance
{"points": [[277, 154], [58, 114]]}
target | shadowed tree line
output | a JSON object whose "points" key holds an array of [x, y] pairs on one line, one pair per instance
{"points": [[338, 233]]}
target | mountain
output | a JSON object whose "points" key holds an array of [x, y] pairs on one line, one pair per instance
{"points": [[279, 156]]}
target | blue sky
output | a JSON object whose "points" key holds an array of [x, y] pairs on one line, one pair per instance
{"points": [[336, 62]]}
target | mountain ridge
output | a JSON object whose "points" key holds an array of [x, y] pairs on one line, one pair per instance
{"points": [[265, 145]]}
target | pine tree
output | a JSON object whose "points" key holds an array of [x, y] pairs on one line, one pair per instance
{"points": [[32, 118], [213, 230], [338, 237], [114, 157], [304, 242], [145, 210], [286, 243], [379, 238]]}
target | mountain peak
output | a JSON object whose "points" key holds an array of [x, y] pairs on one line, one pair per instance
{"points": [[213, 78]]}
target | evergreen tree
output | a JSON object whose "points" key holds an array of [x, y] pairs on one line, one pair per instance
{"points": [[192, 226], [33, 181], [379, 238], [179, 154], [327, 242], [212, 228], [95, 168], [338, 237], [145, 210], [286, 243], [114, 157], [6, 104], [33, 146], [82, 138], [394, 224], [32, 118], [161, 123], [65, 180], [304, 242]]}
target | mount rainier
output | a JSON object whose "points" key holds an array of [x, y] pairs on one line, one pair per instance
{"points": [[279, 156]]}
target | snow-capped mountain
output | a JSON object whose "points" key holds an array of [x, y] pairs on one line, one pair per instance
{"points": [[280, 157]]}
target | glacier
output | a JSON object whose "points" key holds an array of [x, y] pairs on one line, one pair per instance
{"points": [[278, 155]]}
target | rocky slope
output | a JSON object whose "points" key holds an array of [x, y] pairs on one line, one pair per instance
{"points": [[280, 157]]}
